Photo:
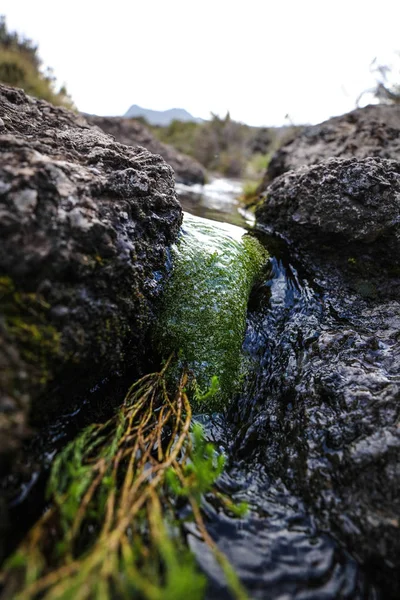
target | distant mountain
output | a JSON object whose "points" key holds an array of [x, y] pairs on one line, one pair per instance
{"points": [[160, 117]]}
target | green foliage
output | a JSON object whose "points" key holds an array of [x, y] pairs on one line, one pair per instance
{"points": [[250, 192], [226, 146], [201, 472], [20, 66], [112, 528], [221, 145], [257, 165], [179, 134]]}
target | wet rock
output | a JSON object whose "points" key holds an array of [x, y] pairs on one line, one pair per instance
{"points": [[370, 131], [132, 133], [85, 226], [325, 408], [203, 314]]}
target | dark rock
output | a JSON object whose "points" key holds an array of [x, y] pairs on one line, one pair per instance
{"points": [[350, 205], [323, 412], [326, 405], [85, 225], [370, 131], [132, 133]]}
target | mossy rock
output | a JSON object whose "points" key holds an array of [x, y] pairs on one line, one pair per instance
{"points": [[203, 317], [86, 224]]}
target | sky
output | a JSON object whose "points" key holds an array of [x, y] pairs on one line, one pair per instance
{"points": [[268, 62]]}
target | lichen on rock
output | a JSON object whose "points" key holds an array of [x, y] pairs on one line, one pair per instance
{"points": [[203, 316]]}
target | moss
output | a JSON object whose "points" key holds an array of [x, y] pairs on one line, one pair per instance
{"points": [[27, 327], [38, 344], [204, 312]]}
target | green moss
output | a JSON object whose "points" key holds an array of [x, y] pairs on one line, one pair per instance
{"points": [[203, 317], [26, 323], [249, 195]]}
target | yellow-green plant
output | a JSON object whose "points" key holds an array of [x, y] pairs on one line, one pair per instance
{"points": [[112, 529]]}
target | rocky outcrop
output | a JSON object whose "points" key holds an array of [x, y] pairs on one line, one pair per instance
{"points": [[132, 133], [85, 225], [341, 203], [327, 403], [370, 131]]}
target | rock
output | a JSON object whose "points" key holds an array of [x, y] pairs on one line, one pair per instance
{"points": [[203, 315], [133, 133], [323, 413], [326, 406], [85, 226], [350, 205], [370, 131]]}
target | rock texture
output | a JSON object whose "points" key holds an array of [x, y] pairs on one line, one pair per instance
{"points": [[84, 228], [132, 133], [341, 203], [370, 131], [327, 405]]}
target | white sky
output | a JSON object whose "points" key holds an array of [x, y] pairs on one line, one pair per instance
{"points": [[261, 60]]}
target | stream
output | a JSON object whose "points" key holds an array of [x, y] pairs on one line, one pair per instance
{"points": [[277, 550]]}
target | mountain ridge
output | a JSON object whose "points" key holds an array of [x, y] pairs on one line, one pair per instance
{"points": [[161, 117]]}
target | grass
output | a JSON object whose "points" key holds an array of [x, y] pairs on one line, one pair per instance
{"points": [[112, 529]]}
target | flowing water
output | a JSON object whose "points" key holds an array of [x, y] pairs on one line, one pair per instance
{"points": [[277, 549], [217, 200]]}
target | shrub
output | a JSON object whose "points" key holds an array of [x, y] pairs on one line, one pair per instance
{"points": [[21, 66]]}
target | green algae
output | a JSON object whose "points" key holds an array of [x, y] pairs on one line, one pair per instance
{"points": [[203, 316]]}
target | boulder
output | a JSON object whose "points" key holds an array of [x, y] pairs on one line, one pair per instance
{"points": [[85, 227], [132, 133], [327, 403], [370, 131], [350, 205]]}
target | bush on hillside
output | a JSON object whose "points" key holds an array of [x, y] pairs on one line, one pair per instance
{"points": [[219, 144], [21, 66]]}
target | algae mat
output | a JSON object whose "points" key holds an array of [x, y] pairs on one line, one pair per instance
{"points": [[203, 317]]}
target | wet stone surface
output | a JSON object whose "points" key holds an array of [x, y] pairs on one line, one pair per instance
{"points": [[322, 410], [278, 549]]}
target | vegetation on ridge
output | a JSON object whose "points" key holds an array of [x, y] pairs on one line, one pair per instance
{"points": [[223, 145], [21, 66]]}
